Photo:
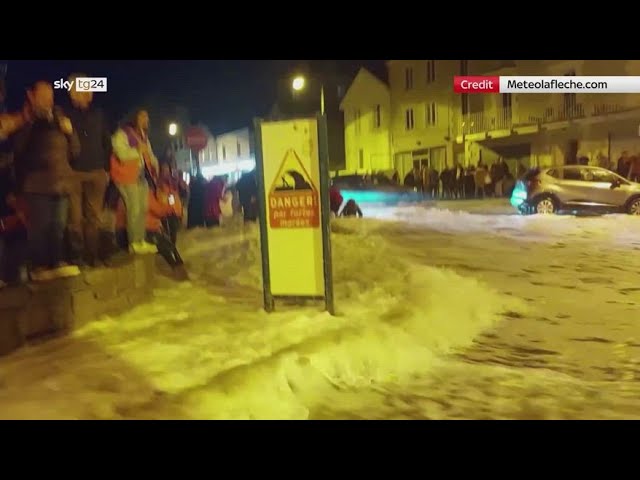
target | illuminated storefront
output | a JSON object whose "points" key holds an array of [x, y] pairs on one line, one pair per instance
{"points": [[228, 154]]}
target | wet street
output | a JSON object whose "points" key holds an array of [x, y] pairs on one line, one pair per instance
{"points": [[574, 353], [459, 310]]}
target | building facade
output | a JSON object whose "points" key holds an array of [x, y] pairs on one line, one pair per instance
{"points": [[422, 112], [432, 125], [229, 154], [208, 156], [429, 124], [367, 121]]}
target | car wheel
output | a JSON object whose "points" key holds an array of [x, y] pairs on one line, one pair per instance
{"points": [[634, 207], [545, 206]]}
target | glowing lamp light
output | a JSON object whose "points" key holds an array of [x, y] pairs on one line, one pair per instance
{"points": [[298, 83], [173, 129]]}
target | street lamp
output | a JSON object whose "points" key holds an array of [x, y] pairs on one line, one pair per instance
{"points": [[173, 129], [298, 85]]}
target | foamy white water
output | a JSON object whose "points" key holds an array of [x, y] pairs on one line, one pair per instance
{"points": [[442, 314]]}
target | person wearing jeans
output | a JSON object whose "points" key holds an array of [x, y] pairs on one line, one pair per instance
{"points": [[43, 149], [48, 216], [131, 162], [90, 230]]}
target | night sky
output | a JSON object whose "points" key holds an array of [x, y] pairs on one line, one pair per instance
{"points": [[223, 94]]}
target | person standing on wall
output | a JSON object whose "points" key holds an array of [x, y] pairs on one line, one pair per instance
{"points": [[43, 149], [90, 231], [132, 161]]}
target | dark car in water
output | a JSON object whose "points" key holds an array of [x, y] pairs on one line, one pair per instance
{"points": [[375, 189]]}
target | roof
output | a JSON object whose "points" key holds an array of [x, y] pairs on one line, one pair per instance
{"points": [[364, 73]]}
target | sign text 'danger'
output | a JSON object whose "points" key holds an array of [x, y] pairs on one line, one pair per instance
{"points": [[294, 210]]}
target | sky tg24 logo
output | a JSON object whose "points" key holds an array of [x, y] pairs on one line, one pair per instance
{"points": [[82, 84]]}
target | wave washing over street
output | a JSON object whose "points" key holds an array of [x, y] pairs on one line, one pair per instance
{"points": [[453, 310]]}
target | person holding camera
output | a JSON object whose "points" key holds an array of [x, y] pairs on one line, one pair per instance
{"points": [[43, 149]]}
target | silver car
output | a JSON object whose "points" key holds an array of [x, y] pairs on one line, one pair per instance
{"points": [[575, 188]]}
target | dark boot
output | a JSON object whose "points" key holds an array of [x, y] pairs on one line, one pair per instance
{"points": [[106, 247], [92, 247], [74, 243]]}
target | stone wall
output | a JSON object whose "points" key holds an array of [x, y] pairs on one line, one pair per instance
{"points": [[34, 310]]}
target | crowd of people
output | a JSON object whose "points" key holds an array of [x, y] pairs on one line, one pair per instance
{"points": [[456, 182], [211, 202], [629, 166], [73, 194]]}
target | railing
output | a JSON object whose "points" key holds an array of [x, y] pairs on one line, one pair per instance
{"points": [[559, 114], [607, 109], [485, 122], [504, 119]]}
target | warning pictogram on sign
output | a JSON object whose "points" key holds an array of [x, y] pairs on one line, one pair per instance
{"points": [[294, 201]]}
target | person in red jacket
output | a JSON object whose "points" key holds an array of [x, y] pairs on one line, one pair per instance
{"points": [[335, 200], [154, 231], [168, 193], [214, 191], [157, 211]]}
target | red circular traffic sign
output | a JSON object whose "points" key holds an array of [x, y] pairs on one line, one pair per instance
{"points": [[197, 138]]}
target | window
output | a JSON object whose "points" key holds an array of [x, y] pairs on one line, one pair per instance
{"points": [[224, 152], [431, 111], [572, 174], [361, 158], [409, 119], [377, 116], [239, 149], [356, 116], [408, 78], [603, 176], [431, 71]]}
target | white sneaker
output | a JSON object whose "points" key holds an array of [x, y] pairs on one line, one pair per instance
{"points": [[150, 247], [144, 248], [64, 270]]}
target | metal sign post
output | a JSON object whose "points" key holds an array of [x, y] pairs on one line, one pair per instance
{"points": [[293, 201]]}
